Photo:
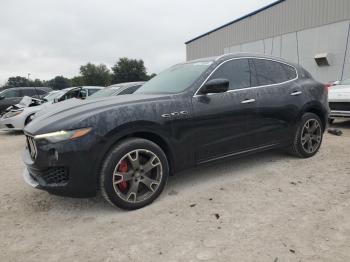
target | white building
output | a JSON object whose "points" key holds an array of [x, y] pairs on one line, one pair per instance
{"points": [[313, 33]]}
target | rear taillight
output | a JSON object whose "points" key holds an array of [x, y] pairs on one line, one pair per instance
{"points": [[327, 86]]}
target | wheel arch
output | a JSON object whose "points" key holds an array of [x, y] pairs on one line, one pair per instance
{"points": [[318, 110], [148, 131]]}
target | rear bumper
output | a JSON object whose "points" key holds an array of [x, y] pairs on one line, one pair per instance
{"points": [[12, 123], [339, 113]]}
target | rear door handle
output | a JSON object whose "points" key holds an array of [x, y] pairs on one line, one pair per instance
{"points": [[248, 101], [296, 93]]}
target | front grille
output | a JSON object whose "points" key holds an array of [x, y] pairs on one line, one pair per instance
{"points": [[31, 145], [9, 126], [55, 175], [341, 106]]}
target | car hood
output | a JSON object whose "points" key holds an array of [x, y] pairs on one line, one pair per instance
{"points": [[51, 117]]}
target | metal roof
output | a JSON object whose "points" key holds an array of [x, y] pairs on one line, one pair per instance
{"points": [[237, 20]]}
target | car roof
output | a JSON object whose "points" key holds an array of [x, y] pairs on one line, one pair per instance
{"points": [[125, 85], [239, 55], [92, 87], [44, 88]]}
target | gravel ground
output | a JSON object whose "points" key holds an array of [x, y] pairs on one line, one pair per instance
{"points": [[266, 207]]}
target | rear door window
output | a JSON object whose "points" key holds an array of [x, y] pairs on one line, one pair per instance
{"points": [[268, 72], [236, 71]]}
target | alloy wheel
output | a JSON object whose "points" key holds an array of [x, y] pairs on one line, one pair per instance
{"points": [[137, 175], [311, 136]]}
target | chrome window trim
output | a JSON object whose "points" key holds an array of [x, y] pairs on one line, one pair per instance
{"points": [[252, 87]]}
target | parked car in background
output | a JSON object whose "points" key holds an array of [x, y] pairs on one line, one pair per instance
{"points": [[80, 92], [193, 113], [118, 89], [339, 100], [18, 116], [12, 96]]}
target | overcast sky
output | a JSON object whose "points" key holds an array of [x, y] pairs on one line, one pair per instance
{"points": [[54, 37]]}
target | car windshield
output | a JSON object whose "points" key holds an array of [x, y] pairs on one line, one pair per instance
{"points": [[53, 95], [346, 82], [175, 79]]}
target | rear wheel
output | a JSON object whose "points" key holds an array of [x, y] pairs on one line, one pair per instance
{"points": [[308, 137], [134, 173]]}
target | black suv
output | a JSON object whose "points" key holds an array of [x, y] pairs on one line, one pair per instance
{"points": [[13, 96], [193, 113]]}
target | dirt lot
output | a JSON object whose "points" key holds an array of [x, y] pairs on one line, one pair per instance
{"points": [[267, 207]]}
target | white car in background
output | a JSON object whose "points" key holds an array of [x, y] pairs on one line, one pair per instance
{"points": [[339, 100], [18, 116]]}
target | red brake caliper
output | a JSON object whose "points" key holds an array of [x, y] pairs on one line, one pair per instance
{"points": [[123, 168]]}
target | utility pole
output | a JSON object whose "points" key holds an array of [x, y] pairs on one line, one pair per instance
{"points": [[28, 77]]}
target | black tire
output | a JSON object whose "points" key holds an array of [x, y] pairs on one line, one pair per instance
{"points": [[297, 148], [28, 120], [113, 160]]}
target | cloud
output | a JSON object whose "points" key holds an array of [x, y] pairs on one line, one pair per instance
{"points": [[49, 38]]}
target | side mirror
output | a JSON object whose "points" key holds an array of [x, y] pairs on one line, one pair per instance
{"points": [[215, 86], [56, 100], [2, 97]]}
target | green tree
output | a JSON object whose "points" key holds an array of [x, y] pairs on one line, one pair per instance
{"points": [[17, 81], [151, 76], [95, 75], [129, 70], [77, 81], [36, 83], [58, 83]]}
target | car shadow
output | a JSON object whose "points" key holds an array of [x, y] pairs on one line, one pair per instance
{"points": [[10, 133], [211, 172], [207, 173], [340, 124]]}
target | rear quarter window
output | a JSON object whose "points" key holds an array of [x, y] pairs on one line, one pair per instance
{"points": [[268, 72]]}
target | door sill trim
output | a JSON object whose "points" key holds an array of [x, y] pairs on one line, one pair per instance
{"points": [[239, 153]]}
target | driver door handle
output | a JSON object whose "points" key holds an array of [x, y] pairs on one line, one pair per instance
{"points": [[296, 93], [248, 101]]}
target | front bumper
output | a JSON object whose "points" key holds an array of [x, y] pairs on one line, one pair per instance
{"points": [[67, 168], [29, 179]]}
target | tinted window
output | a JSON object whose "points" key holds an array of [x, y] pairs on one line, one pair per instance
{"points": [[266, 72], [236, 71], [92, 91], [129, 90], [10, 93], [41, 92], [28, 92]]}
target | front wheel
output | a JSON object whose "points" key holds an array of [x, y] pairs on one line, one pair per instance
{"points": [[134, 173], [308, 136]]}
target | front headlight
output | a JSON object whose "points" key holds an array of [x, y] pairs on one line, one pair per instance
{"points": [[12, 114], [60, 136]]}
